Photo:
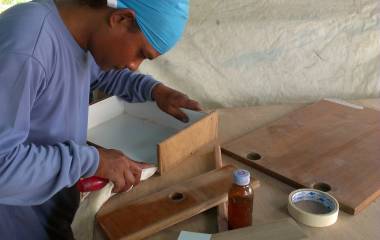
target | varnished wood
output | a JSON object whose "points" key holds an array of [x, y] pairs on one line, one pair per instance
{"points": [[201, 162], [112, 219], [142, 217], [222, 208], [322, 143]]}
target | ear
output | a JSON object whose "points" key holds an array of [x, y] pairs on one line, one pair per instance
{"points": [[123, 18]]}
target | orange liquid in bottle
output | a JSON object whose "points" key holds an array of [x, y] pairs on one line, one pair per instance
{"points": [[240, 203]]}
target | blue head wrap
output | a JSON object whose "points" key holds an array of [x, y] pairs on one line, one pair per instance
{"points": [[161, 21]]}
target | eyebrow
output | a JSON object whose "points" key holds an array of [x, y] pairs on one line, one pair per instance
{"points": [[147, 55]]}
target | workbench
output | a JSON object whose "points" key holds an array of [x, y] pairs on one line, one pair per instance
{"points": [[270, 201]]}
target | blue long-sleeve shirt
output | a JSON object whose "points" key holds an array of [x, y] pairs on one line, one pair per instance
{"points": [[45, 79]]}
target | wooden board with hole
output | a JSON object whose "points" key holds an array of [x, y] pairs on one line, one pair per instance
{"points": [[324, 145], [145, 216]]}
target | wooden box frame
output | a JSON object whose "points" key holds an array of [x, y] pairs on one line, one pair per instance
{"points": [[145, 123]]}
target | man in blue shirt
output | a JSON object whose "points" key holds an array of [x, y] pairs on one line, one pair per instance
{"points": [[52, 53]]}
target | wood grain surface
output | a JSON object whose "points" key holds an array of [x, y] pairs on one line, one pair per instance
{"points": [[223, 207], [145, 216], [185, 143], [324, 143]]}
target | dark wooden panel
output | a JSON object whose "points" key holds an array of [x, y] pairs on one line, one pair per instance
{"points": [[323, 143], [145, 216]]}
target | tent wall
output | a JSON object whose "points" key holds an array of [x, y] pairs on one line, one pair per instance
{"points": [[253, 52]]}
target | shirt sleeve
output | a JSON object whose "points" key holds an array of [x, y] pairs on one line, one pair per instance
{"points": [[128, 85], [30, 174]]}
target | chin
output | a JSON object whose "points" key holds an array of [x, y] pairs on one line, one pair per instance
{"points": [[104, 67]]}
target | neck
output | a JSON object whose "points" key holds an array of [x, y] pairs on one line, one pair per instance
{"points": [[81, 21]]}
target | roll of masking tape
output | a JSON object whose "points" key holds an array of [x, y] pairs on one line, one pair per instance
{"points": [[311, 218]]}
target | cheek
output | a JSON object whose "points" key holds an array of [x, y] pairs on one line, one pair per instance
{"points": [[131, 58], [119, 52], [101, 50], [114, 56]]}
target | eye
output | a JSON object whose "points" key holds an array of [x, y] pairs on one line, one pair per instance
{"points": [[142, 55]]}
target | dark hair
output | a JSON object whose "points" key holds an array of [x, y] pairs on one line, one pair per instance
{"points": [[103, 3], [94, 3]]}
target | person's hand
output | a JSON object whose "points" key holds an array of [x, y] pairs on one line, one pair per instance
{"points": [[170, 101], [119, 169]]}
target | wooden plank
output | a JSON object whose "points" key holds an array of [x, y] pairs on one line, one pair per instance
{"points": [[145, 216], [285, 229], [202, 162], [186, 142], [323, 143], [222, 208]]}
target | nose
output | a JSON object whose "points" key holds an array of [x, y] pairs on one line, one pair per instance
{"points": [[133, 66]]}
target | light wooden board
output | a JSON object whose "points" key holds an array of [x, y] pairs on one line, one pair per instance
{"points": [[145, 216], [223, 207], [322, 143], [185, 143], [285, 229]]}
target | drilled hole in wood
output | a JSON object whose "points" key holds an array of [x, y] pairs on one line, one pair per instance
{"points": [[324, 187], [176, 196], [253, 156]]}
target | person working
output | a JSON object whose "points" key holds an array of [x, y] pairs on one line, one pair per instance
{"points": [[52, 54]]}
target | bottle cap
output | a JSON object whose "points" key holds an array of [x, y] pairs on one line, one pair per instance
{"points": [[242, 177]]}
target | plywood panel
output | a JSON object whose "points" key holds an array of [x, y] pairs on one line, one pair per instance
{"points": [[185, 143], [145, 216], [322, 143]]}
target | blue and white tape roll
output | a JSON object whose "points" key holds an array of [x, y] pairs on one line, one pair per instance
{"points": [[313, 219]]}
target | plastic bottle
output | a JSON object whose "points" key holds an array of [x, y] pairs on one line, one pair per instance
{"points": [[240, 200]]}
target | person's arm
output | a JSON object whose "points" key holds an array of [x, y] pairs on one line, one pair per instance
{"points": [[30, 174], [137, 87], [130, 86]]}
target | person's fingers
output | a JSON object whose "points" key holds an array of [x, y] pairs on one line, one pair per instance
{"points": [[183, 101], [178, 114], [119, 184], [192, 105], [137, 175], [136, 171], [144, 165], [129, 180], [139, 164]]}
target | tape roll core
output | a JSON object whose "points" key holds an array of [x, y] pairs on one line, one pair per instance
{"points": [[309, 218]]}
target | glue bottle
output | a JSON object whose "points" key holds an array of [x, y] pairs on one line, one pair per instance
{"points": [[240, 200]]}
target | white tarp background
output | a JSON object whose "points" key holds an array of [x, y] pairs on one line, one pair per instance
{"points": [[249, 52]]}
